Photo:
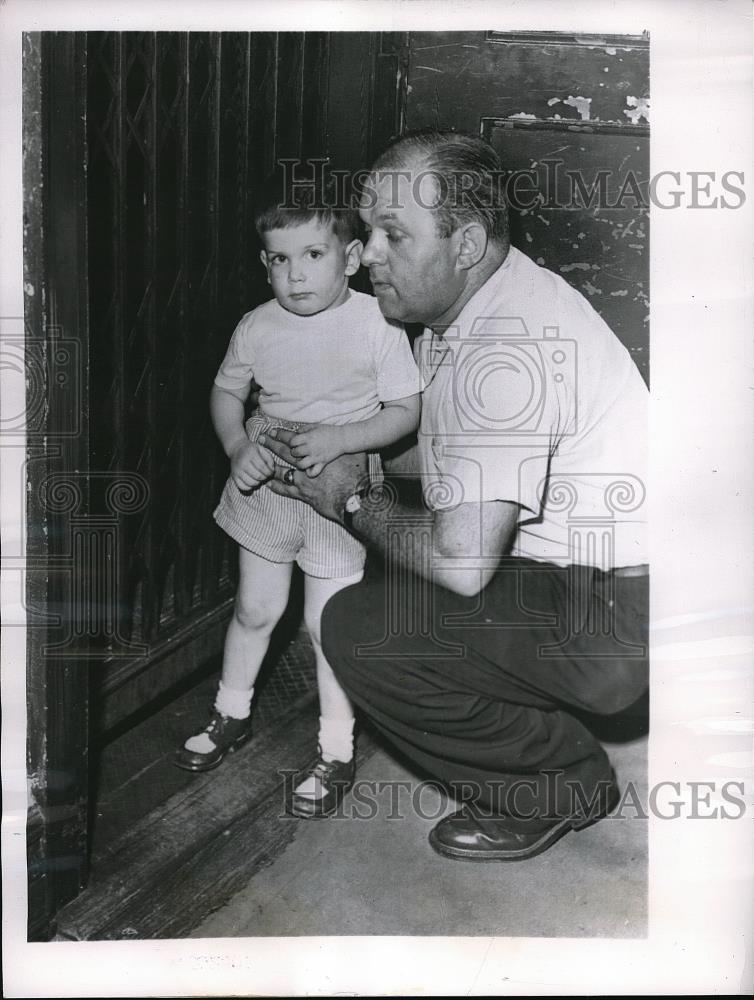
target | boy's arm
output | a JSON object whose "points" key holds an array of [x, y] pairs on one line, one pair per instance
{"points": [[226, 408], [250, 464], [397, 419], [318, 445]]}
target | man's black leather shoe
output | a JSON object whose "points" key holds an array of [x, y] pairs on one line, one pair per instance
{"points": [[470, 835]]}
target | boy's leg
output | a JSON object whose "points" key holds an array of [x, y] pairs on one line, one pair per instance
{"points": [[262, 596], [263, 589], [336, 712]]}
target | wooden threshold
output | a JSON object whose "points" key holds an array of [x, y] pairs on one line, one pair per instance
{"points": [[190, 855]]}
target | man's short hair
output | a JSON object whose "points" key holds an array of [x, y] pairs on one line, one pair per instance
{"points": [[468, 173], [292, 198]]}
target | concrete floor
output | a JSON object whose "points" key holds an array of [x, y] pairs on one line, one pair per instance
{"points": [[346, 875]]}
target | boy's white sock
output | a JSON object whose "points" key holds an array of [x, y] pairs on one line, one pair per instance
{"points": [[232, 702], [336, 739], [229, 701], [335, 743]]}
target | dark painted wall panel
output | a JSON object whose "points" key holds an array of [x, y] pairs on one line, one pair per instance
{"points": [[602, 250], [516, 94], [457, 77], [63, 590]]}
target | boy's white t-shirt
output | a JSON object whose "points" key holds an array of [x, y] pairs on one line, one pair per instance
{"points": [[335, 367]]}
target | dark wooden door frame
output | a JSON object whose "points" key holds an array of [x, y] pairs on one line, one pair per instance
{"points": [[56, 336]]}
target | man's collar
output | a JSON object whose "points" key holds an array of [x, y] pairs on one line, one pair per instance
{"points": [[477, 306]]}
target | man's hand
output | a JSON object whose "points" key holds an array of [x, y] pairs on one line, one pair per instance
{"points": [[327, 492], [250, 465], [315, 447]]}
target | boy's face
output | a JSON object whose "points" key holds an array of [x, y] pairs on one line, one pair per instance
{"points": [[308, 266]]}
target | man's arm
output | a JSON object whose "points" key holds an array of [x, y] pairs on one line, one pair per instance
{"points": [[465, 543]]}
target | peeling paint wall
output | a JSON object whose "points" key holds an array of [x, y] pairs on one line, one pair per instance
{"points": [[584, 106], [467, 75]]}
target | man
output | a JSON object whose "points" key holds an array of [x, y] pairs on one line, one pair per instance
{"points": [[513, 598]]}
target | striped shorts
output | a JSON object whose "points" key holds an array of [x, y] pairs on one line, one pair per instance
{"points": [[282, 529]]}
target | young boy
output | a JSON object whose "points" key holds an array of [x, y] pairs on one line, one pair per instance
{"points": [[324, 355]]}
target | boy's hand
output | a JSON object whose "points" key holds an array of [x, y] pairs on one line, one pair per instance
{"points": [[314, 447], [327, 493], [251, 465]]}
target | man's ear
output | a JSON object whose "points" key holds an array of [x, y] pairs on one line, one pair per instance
{"points": [[353, 257], [265, 263], [471, 244]]}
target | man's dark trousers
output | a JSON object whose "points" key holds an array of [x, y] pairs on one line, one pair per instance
{"points": [[480, 692]]}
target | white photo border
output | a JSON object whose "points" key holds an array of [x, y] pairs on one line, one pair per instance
{"points": [[700, 898]]}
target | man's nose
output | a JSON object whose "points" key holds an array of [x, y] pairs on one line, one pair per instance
{"points": [[374, 251], [296, 272]]}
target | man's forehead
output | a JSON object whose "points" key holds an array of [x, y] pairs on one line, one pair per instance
{"points": [[391, 192]]}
